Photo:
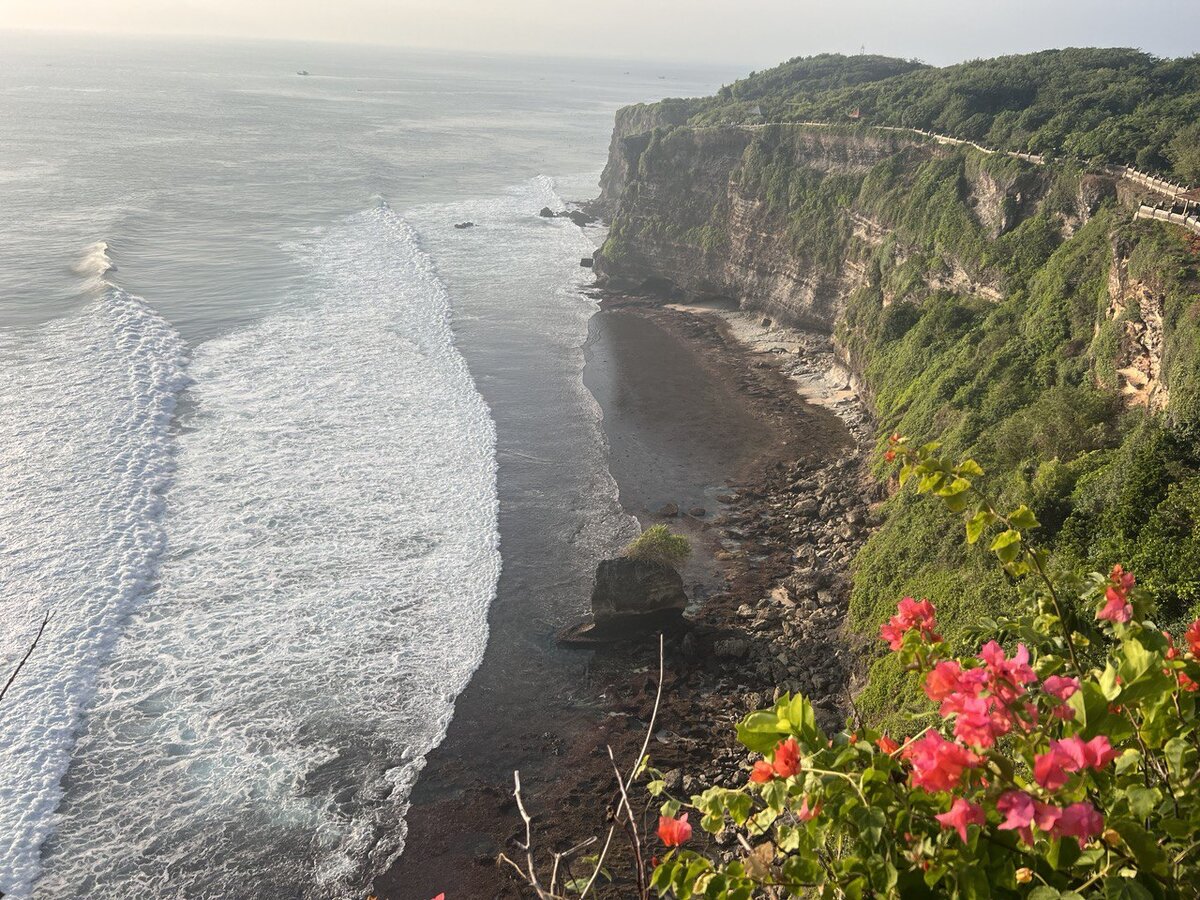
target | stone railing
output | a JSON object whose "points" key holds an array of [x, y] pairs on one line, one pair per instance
{"points": [[1152, 182], [1163, 214]]}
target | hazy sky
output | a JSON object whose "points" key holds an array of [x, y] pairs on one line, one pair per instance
{"points": [[750, 32]]}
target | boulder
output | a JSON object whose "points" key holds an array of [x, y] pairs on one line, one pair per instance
{"points": [[586, 262], [580, 218], [464, 225], [669, 510], [631, 597], [546, 213]]}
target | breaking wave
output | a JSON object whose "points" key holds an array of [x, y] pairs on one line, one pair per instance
{"points": [[85, 458], [334, 550]]}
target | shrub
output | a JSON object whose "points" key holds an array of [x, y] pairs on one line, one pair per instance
{"points": [[1057, 760], [658, 544]]}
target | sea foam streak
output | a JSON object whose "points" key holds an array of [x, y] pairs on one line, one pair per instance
{"points": [[84, 460], [333, 552]]}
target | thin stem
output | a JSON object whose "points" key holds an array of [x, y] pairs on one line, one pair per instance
{"points": [[25, 658]]}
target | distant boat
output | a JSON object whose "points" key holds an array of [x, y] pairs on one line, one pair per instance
{"points": [[304, 72]]}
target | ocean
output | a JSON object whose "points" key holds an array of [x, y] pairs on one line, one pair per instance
{"points": [[264, 414]]}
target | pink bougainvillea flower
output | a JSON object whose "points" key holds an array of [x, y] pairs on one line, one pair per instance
{"points": [[807, 813], [440, 897], [1017, 809], [977, 721], [948, 677], [1186, 684], [910, 614], [787, 758], [1117, 607], [1050, 769], [938, 764], [1007, 677], [962, 813], [1080, 821], [1069, 755], [1099, 752], [762, 772], [674, 832], [1062, 688]]}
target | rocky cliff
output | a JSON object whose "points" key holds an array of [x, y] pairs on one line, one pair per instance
{"points": [[1015, 310], [786, 218]]}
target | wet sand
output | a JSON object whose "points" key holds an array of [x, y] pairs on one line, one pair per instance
{"points": [[685, 416]]}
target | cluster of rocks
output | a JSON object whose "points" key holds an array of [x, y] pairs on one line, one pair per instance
{"points": [[806, 528], [578, 216]]}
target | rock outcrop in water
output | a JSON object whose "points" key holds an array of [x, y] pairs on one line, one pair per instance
{"points": [[631, 597]]}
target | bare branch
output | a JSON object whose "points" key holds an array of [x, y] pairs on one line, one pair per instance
{"points": [[25, 658], [529, 873], [633, 828]]}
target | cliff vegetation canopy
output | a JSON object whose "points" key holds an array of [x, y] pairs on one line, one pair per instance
{"points": [[1117, 105]]}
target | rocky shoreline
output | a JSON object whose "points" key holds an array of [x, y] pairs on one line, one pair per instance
{"points": [[771, 612]]}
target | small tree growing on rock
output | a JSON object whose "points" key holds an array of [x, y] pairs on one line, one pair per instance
{"points": [[659, 544]]}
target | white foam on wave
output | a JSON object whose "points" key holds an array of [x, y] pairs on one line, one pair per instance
{"points": [[85, 458], [334, 550], [95, 265]]}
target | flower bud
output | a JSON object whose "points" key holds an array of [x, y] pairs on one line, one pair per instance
{"points": [[1111, 837], [1024, 875]]}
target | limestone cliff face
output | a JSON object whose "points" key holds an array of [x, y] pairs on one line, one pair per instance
{"points": [[689, 216], [631, 135]]}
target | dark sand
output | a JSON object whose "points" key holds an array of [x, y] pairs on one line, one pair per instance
{"points": [[684, 415]]}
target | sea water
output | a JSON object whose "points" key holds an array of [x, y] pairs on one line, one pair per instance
{"points": [[246, 461]]}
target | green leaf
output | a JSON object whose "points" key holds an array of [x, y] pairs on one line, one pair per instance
{"points": [[761, 731], [970, 467], [656, 787], [1007, 545], [977, 524], [1143, 800], [1023, 518], [1146, 851], [1120, 888]]}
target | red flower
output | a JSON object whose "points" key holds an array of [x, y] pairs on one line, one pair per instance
{"points": [[806, 813], [1080, 821], [938, 764], [674, 832], [787, 758], [1116, 596], [1193, 637], [440, 897], [962, 813], [762, 772], [910, 614], [886, 744], [1186, 684]]}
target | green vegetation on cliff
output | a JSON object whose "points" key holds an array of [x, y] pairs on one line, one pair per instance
{"points": [[1117, 105]]}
